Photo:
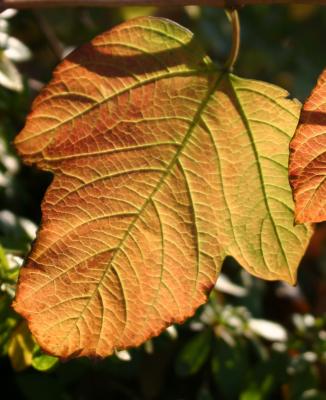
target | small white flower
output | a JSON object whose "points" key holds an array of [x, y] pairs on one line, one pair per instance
{"points": [[8, 218], [310, 356], [14, 261], [225, 285], [123, 355], [10, 163], [196, 326], [309, 320], [172, 332], [29, 227], [279, 347], [268, 330], [4, 25], [11, 50], [9, 13], [3, 180], [4, 16], [10, 77], [235, 322]]}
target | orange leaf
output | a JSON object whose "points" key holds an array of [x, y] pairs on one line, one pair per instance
{"points": [[308, 158], [163, 166]]}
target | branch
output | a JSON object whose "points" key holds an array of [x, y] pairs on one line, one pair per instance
{"points": [[114, 3]]}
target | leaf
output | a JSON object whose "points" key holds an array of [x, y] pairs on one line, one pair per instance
{"points": [[194, 354], [8, 322], [43, 362], [230, 367], [308, 157], [4, 265], [134, 12], [162, 165], [20, 347]]}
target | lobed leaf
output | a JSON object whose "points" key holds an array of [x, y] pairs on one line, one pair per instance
{"points": [[308, 158], [163, 166]]}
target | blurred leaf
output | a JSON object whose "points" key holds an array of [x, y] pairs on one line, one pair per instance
{"points": [[135, 12], [204, 394], [312, 394], [193, 11], [20, 347], [264, 376], [4, 266], [303, 378], [230, 366], [194, 354], [43, 362], [301, 12], [8, 321], [252, 394]]}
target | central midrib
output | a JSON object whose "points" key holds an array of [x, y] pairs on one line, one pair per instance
{"points": [[157, 188]]}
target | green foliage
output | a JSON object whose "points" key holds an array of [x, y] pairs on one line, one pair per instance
{"points": [[194, 354]]}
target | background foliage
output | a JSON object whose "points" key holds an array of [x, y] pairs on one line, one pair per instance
{"points": [[253, 340]]}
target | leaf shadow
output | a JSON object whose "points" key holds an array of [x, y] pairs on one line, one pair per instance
{"points": [[105, 62], [313, 117]]}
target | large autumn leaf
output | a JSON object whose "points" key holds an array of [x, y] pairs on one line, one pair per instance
{"points": [[308, 158], [163, 166]]}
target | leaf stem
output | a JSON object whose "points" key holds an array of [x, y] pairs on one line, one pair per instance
{"points": [[235, 21]]}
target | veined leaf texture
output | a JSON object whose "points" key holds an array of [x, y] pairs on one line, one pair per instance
{"points": [[163, 166], [308, 158]]}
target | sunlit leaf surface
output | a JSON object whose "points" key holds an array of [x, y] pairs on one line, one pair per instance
{"points": [[162, 167], [308, 158]]}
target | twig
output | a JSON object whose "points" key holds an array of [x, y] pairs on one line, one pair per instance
{"points": [[115, 3], [50, 35], [234, 16]]}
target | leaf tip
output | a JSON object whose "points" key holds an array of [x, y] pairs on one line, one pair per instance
{"points": [[292, 279]]}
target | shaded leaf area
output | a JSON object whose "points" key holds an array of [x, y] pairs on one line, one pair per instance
{"points": [[163, 166], [308, 157]]}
